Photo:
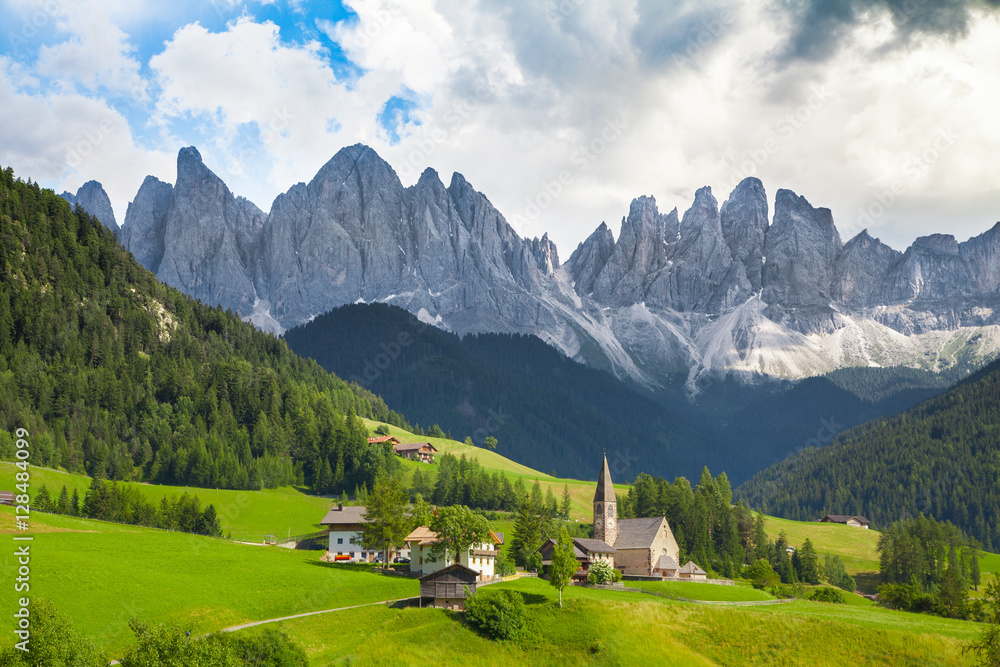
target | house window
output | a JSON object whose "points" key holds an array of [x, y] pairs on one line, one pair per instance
{"points": [[340, 540]]}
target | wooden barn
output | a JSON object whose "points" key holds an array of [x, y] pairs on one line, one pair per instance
{"points": [[447, 588]]}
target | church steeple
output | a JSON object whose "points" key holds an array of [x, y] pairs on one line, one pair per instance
{"points": [[605, 507]]}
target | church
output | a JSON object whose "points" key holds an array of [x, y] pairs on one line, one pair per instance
{"points": [[644, 546]]}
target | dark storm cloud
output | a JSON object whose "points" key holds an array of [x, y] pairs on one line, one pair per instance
{"points": [[819, 26], [669, 32]]}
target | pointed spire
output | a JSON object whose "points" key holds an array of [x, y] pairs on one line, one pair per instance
{"points": [[605, 489]]}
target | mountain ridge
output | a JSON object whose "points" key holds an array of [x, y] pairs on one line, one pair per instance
{"points": [[714, 291]]}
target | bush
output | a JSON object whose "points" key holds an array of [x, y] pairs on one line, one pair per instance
{"points": [[499, 615], [269, 648], [761, 574], [601, 573], [827, 595]]}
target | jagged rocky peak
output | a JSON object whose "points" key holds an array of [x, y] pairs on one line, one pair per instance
{"points": [[861, 271], [801, 246], [146, 222], [945, 244], [589, 258], [744, 220], [95, 201], [642, 248], [545, 253]]}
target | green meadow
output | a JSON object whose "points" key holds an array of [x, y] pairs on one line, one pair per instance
{"points": [[614, 628], [102, 574], [856, 546]]}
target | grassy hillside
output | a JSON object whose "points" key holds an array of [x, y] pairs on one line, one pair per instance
{"points": [[102, 574]]}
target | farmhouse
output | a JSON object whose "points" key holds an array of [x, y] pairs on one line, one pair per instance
{"points": [[856, 521], [587, 552], [416, 451], [379, 439], [447, 587], [640, 543], [692, 572], [481, 558], [345, 531]]}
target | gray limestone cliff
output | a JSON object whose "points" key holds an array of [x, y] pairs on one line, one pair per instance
{"points": [[95, 201]]}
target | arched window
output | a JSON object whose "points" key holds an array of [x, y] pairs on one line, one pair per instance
{"points": [[611, 510]]}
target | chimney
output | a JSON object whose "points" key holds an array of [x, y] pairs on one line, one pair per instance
{"points": [[340, 507]]}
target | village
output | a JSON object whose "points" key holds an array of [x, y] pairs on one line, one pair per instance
{"points": [[638, 549]]}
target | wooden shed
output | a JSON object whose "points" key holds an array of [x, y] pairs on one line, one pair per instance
{"points": [[447, 588]]}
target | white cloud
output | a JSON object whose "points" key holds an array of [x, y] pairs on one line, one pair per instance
{"points": [[63, 139], [97, 55]]}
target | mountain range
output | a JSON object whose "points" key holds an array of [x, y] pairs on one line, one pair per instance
{"points": [[730, 289]]}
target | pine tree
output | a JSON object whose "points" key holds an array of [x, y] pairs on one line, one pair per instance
{"points": [[564, 509], [64, 506], [75, 503], [43, 502]]}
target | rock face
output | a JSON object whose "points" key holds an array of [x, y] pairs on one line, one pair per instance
{"points": [[717, 290], [94, 200]]}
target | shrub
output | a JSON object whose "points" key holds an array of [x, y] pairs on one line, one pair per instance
{"points": [[761, 574], [601, 573], [827, 595], [499, 615]]}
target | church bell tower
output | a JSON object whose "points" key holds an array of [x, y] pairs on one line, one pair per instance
{"points": [[605, 508]]}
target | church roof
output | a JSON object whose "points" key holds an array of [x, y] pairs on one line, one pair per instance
{"points": [[667, 563], [638, 533], [691, 568], [605, 489]]}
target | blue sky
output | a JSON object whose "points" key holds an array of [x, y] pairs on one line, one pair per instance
{"points": [[561, 111]]}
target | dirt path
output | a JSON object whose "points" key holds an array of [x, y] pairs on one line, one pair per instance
{"points": [[311, 613]]}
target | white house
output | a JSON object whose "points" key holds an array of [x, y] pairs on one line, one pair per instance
{"points": [[481, 557], [345, 530]]}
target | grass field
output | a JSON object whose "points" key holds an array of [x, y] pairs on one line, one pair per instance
{"points": [[581, 492], [696, 591], [856, 546], [102, 574], [610, 628]]}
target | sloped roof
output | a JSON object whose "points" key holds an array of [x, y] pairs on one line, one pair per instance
{"points": [[413, 446], [638, 533], [594, 546], [666, 563], [457, 567], [347, 516], [691, 568], [550, 545], [605, 489], [423, 536], [844, 518]]}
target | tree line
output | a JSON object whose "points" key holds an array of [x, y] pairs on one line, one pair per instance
{"points": [[936, 459], [122, 503]]}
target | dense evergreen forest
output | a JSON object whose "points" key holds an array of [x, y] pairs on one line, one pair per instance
{"points": [[940, 458], [116, 375], [545, 410], [554, 414]]}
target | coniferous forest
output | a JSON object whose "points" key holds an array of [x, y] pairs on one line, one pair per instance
{"points": [[119, 376], [940, 458]]}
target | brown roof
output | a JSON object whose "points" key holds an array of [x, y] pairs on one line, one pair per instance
{"points": [[605, 492], [413, 446], [344, 516], [423, 536], [844, 518], [638, 533], [456, 569], [383, 438]]}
